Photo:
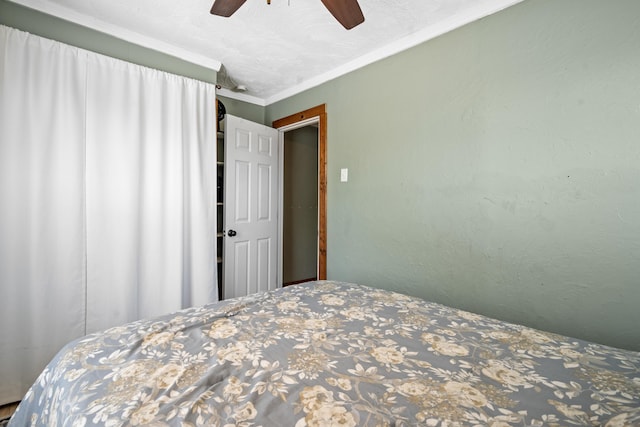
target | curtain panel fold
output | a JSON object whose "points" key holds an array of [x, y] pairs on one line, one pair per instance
{"points": [[107, 185]]}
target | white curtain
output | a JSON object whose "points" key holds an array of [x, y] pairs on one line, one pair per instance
{"points": [[42, 272], [107, 194]]}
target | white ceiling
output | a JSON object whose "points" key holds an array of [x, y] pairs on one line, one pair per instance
{"points": [[274, 50]]}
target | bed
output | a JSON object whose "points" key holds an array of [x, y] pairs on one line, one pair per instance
{"points": [[332, 354]]}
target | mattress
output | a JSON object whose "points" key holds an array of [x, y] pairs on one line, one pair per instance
{"points": [[329, 353]]}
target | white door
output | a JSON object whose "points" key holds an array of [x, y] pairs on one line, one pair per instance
{"points": [[251, 207]]}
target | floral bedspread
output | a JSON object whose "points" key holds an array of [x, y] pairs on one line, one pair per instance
{"points": [[329, 354]]}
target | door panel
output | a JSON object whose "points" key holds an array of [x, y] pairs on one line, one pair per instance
{"points": [[264, 194], [264, 264], [242, 192], [241, 253], [265, 145], [243, 140], [251, 208]]}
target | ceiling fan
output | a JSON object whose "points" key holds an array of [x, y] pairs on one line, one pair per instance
{"points": [[347, 12]]}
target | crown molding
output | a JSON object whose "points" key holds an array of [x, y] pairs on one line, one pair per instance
{"points": [[398, 46], [386, 51], [62, 12], [239, 96]]}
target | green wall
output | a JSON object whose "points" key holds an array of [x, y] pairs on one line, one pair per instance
{"points": [[38, 23], [497, 169], [246, 110]]}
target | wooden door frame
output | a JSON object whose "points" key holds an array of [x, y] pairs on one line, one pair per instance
{"points": [[295, 121]]}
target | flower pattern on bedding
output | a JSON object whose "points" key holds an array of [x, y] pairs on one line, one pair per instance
{"points": [[333, 354]]}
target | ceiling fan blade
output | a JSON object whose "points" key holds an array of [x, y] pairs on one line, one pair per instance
{"points": [[226, 8], [347, 12]]}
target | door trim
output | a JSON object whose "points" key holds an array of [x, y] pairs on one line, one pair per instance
{"points": [[312, 115]]}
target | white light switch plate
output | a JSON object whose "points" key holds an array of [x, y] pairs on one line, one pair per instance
{"points": [[344, 175]]}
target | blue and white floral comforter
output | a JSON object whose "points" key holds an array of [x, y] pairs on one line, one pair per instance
{"points": [[329, 354]]}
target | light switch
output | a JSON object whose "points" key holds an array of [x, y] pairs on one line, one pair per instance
{"points": [[344, 175]]}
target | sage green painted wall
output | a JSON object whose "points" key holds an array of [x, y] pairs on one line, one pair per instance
{"points": [[41, 24], [246, 110], [497, 169]]}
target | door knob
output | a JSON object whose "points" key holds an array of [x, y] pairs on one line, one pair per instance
{"points": [[231, 233]]}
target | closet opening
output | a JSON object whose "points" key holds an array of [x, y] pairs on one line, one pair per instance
{"points": [[302, 219]]}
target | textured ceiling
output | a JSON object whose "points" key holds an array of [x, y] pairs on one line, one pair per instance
{"points": [[273, 50]]}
